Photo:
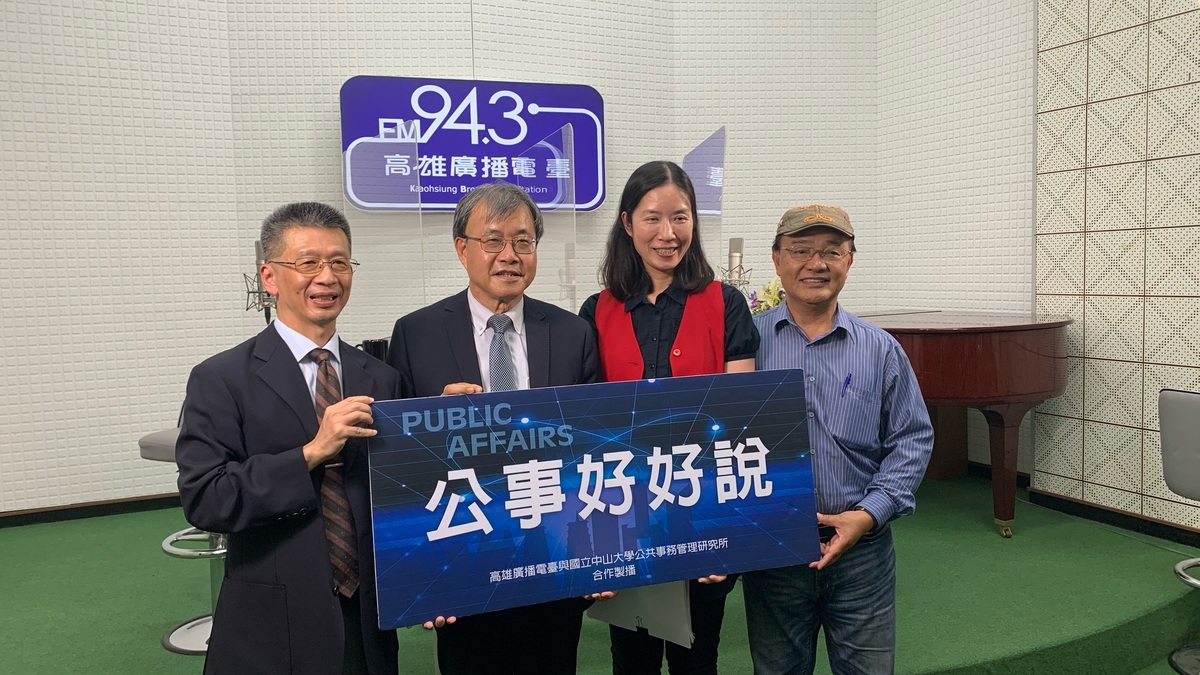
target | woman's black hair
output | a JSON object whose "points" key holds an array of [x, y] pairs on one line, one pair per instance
{"points": [[622, 272]]}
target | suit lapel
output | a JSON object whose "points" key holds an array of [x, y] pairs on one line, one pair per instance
{"points": [[460, 334], [356, 381], [281, 373], [538, 345]]}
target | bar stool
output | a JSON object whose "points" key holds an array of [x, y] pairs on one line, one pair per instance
{"points": [[1179, 434], [191, 636]]}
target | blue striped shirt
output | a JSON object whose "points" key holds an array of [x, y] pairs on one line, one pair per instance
{"points": [[867, 423]]}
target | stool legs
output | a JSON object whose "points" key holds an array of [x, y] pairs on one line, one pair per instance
{"points": [[191, 636]]}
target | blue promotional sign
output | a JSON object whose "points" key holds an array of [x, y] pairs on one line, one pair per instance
{"points": [[412, 143], [491, 501]]}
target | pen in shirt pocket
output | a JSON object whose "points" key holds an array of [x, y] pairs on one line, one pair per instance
{"points": [[846, 384]]}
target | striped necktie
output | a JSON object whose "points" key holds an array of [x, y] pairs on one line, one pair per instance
{"points": [[503, 374], [339, 521]]}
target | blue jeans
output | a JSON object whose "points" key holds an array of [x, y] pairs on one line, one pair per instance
{"points": [[854, 600]]}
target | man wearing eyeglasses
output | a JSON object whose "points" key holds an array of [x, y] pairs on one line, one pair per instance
{"points": [[870, 437], [492, 337], [272, 452]]}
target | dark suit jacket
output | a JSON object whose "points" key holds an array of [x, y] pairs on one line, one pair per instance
{"points": [[435, 346], [246, 417]]}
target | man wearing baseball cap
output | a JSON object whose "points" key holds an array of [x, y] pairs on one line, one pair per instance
{"points": [[871, 439]]}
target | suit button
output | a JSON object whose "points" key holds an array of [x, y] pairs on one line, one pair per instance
{"points": [[676, 352]]}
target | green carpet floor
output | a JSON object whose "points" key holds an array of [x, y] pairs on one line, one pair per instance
{"points": [[1062, 596]]}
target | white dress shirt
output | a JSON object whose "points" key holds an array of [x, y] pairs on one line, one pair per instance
{"points": [[515, 339], [301, 346]]}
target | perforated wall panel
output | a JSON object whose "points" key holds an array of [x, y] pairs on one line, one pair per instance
{"points": [[1118, 241]]}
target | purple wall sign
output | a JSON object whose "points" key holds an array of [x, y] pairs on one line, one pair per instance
{"points": [[414, 143]]}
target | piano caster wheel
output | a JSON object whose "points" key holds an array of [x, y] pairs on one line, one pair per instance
{"points": [[1005, 527]]}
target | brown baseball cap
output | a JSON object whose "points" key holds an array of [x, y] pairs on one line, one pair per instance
{"points": [[802, 218]]}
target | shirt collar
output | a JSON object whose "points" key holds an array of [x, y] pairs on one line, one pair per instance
{"points": [[673, 292], [841, 319], [300, 346], [481, 314], [779, 316]]}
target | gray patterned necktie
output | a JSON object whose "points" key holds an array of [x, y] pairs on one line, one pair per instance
{"points": [[503, 374]]}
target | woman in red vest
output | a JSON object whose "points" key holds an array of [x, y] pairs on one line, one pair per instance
{"points": [[662, 314]]}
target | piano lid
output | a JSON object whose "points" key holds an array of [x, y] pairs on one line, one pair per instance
{"points": [[955, 321]]}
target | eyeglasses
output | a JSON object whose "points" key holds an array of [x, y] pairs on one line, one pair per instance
{"points": [[521, 245], [802, 254], [311, 267]]}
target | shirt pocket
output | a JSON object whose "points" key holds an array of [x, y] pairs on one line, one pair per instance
{"points": [[855, 420]]}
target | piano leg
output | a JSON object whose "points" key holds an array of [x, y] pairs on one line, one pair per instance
{"points": [[1004, 426]]}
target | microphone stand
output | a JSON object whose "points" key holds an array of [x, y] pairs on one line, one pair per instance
{"points": [[256, 297]]}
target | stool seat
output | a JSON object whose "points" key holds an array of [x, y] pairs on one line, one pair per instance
{"points": [[160, 445]]}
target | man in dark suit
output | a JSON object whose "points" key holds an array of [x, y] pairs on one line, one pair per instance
{"points": [[272, 452], [491, 337]]}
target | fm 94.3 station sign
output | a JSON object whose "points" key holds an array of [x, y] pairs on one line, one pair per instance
{"points": [[412, 143]]}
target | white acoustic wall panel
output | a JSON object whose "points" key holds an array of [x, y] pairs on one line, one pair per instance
{"points": [[956, 151], [1118, 242], [956, 107], [794, 85], [289, 61], [116, 158]]}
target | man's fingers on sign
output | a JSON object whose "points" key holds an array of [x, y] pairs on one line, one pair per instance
{"points": [[439, 622], [456, 388], [351, 416]]}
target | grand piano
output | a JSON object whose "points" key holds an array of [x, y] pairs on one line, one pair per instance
{"points": [[1001, 364]]}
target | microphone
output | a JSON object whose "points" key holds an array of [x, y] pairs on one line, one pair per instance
{"points": [[258, 298], [735, 275], [735, 260]]}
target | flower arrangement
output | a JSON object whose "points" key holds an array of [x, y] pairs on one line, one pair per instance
{"points": [[770, 296]]}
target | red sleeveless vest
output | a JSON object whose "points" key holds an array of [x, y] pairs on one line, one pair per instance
{"points": [[699, 347]]}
